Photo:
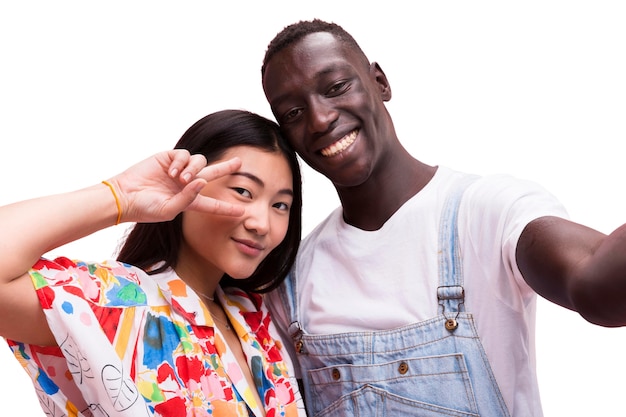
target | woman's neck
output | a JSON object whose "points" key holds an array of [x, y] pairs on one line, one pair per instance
{"points": [[202, 277]]}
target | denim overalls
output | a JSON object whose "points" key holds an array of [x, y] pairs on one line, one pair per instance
{"points": [[433, 368]]}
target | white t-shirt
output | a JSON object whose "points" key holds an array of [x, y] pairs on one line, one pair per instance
{"points": [[354, 280]]}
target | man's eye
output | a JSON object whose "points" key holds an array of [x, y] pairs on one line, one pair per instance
{"points": [[292, 114], [243, 192], [337, 88]]}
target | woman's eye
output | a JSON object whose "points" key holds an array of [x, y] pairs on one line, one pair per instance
{"points": [[282, 206], [243, 192]]}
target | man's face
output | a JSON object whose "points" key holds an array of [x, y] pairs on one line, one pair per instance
{"points": [[329, 102]]}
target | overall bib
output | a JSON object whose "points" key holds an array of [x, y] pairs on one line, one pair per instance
{"points": [[436, 367]]}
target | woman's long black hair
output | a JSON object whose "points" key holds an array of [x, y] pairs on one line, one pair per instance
{"points": [[150, 245]]}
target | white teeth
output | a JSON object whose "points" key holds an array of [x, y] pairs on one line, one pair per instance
{"points": [[340, 145]]}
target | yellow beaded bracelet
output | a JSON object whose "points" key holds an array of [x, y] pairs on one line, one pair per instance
{"points": [[117, 201]]}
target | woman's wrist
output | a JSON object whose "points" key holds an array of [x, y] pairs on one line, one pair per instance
{"points": [[117, 201]]}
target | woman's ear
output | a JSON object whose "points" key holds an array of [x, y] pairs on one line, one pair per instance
{"points": [[381, 80]]}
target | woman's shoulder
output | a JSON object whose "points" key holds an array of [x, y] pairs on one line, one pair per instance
{"points": [[109, 282]]}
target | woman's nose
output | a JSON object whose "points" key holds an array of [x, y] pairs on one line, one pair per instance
{"points": [[257, 220]]}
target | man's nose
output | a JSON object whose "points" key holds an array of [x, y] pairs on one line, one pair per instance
{"points": [[321, 115]]}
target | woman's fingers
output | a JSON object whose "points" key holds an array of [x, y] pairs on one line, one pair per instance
{"points": [[219, 169], [211, 205], [161, 187], [184, 166], [196, 173], [191, 199], [188, 167]]}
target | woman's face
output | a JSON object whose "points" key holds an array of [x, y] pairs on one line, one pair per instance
{"points": [[213, 244]]}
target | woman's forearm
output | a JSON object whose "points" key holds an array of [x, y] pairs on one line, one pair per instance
{"points": [[29, 229], [153, 190]]}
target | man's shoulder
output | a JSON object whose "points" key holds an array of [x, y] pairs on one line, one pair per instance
{"points": [[327, 225]]}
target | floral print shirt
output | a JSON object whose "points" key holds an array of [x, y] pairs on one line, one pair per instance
{"points": [[130, 344]]}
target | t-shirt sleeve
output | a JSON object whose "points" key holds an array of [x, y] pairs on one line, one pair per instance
{"points": [[501, 207]]}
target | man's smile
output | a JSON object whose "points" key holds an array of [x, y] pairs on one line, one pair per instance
{"points": [[341, 145]]}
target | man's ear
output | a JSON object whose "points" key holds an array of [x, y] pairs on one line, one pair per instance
{"points": [[380, 78]]}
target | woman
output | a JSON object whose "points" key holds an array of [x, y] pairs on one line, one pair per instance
{"points": [[183, 331]]}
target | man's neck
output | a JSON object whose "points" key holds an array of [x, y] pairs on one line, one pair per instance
{"points": [[371, 204]]}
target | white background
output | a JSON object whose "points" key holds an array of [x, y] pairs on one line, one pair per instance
{"points": [[534, 88]]}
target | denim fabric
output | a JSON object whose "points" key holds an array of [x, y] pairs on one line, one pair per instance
{"points": [[433, 368]]}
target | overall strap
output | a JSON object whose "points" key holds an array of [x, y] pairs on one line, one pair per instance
{"points": [[450, 292], [288, 296]]}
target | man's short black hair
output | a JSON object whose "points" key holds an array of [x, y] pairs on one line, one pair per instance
{"points": [[299, 30]]}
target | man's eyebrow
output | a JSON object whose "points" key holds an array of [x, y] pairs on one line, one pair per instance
{"points": [[252, 177], [331, 68]]}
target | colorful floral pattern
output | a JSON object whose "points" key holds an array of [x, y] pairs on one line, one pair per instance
{"points": [[137, 345]]}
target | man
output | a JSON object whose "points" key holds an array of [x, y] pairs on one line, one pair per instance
{"points": [[417, 296]]}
